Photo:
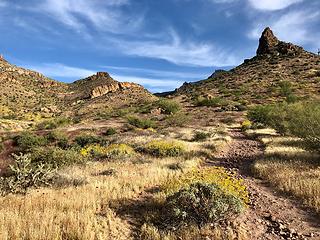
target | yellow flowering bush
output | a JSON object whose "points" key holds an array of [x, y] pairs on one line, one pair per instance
{"points": [[163, 148], [113, 150], [245, 125], [226, 180], [120, 150]]}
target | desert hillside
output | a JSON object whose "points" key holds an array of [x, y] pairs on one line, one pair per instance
{"points": [[235, 156], [279, 70]]}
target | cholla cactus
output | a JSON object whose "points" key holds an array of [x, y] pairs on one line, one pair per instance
{"points": [[25, 175]]}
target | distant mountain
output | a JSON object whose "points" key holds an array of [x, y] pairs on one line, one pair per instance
{"points": [[100, 93], [278, 69], [29, 94]]}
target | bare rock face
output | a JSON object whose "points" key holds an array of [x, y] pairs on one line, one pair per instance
{"points": [[101, 84], [114, 87], [269, 44]]}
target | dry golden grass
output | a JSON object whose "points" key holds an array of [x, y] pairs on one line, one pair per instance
{"points": [[86, 212], [149, 232], [291, 169], [83, 212]]}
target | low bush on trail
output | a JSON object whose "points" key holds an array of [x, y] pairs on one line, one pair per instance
{"points": [[195, 199], [200, 204]]}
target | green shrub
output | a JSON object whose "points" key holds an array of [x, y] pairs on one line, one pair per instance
{"points": [[162, 148], [275, 116], [60, 139], [298, 119], [84, 140], [141, 123], [178, 120], [201, 204], [210, 102], [110, 132], [26, 141], [168, 106], [199, 136], [56, 157], [285, 88], [54, 123], [25, 175], [304, 122]]}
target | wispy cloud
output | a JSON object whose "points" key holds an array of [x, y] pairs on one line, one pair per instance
{"points": [[105, 15], [271, 5], [167, 82], [57, 70], [294, 26], [263, 5], [185, 75], [152, 84], [188, 53]]}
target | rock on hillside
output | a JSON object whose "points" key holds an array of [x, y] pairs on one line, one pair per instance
{"points": [[278, 69], [99, 85], [99, 93]]}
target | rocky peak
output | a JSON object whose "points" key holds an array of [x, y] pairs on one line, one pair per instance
{"points": [[102, 75], [269, 44]]}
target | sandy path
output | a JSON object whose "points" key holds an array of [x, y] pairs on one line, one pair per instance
{"points": [[270, 215]]}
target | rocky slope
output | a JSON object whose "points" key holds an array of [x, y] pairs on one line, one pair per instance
{"points": [[99, 85], [278, 69], [100, 93], [23, 90], [27, 94]]}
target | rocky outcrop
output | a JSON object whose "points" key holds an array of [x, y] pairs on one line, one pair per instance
{"points": [[269, 44], [99, 85], [114, 87]]}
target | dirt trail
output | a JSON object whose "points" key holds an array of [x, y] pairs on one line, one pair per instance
{"points": [[270, 215]]}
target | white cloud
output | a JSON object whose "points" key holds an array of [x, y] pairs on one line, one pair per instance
{"points": [[186, 53], [160, 74], [263, 5], [271, 5], [106, 16], [56, 70], [151, 83], [293, 27]]}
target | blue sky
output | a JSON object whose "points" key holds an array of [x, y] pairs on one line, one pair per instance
{"points": [[157, 43]]}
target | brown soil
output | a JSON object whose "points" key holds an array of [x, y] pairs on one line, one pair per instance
{"points": [[270, 215]]}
